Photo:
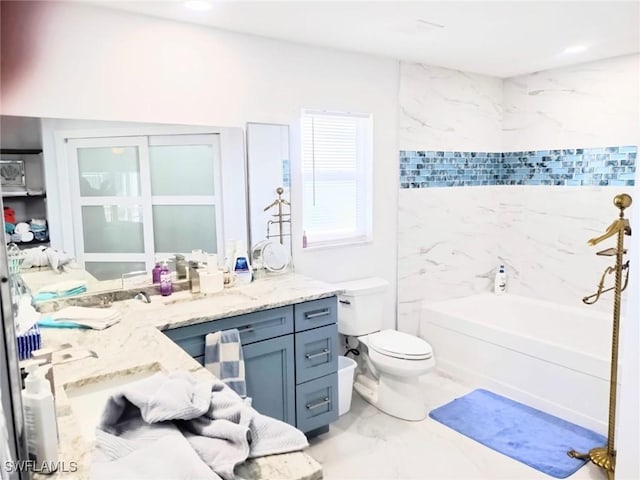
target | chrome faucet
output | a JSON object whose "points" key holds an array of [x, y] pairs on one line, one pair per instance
{"points": [[143, 297]]}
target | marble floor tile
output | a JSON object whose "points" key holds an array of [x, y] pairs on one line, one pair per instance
{"points": [[368, 444]]}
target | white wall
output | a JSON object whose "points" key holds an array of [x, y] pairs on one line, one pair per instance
{"points": [[69, 60]]}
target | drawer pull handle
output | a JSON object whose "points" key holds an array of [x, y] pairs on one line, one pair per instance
{"points": [[313, 406], [321, 313], [247, 329], [324, 352], [346, 302]]}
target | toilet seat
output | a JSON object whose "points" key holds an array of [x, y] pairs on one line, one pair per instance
{"points": [[401, 345]]}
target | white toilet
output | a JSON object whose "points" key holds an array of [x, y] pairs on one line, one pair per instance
{"points": [[393, 360]]}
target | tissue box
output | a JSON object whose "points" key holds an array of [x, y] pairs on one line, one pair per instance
{"points": [[28, 342]]}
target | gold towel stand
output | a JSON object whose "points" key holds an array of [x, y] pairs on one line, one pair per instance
{"points": [[605, 457]]}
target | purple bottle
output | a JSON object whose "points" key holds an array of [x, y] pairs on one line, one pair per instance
{"points": [[155, 273], [165, 281]]}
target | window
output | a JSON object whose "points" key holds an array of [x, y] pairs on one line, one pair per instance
{"points": [[336, 177]]}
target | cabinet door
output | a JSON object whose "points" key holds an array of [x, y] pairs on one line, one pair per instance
{"points": [[269, 373]]}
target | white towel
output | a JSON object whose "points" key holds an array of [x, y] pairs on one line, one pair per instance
{"points": [[96, 318], [223, 357]]}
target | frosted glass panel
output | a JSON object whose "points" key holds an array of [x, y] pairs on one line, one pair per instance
{"points": [[109, 171], [112, 229], [182, 170], [182, 228], [111, 270]]}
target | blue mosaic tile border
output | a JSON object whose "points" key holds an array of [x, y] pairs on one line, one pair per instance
{"points": [[605, 166]]}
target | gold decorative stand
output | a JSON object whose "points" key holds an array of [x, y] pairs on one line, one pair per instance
{"points": [[605, 457], [282, 217]]}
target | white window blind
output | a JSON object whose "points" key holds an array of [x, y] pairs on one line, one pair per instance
{"points": [[336, 169]]}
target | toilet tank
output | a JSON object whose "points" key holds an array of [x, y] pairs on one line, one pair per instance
{"points": [[360, 306]]}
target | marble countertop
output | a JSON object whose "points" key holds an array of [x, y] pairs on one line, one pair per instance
{"points": [[137, 344]]}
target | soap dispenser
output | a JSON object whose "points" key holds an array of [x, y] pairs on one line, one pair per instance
{"points": [[165, 280], [40, 418]]}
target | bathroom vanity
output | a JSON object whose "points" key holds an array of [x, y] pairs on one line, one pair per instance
{"points": [[291, 359], [289, 338]]}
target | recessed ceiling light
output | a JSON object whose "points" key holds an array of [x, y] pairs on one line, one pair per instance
{"points": [[198, 5], [576, 49]]}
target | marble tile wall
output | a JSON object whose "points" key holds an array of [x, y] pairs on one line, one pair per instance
{"points": [[588, 105], [450, 240], [449, 110]]}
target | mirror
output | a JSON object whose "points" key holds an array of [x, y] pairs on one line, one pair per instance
{"points": [[118, 196], [269, 182]]}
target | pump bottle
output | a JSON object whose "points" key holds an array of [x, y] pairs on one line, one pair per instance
{"points": [[40, 417], [500, 281]]}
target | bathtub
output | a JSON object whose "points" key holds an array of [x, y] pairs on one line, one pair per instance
{"points": [[552, 357]]}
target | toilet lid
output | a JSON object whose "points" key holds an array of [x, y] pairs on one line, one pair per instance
{"points": [[400, 345]]}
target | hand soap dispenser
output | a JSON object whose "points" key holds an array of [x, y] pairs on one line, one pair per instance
{"points": [[40, 417]]}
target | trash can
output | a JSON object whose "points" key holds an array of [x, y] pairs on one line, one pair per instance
{"points": [[346, 369]]}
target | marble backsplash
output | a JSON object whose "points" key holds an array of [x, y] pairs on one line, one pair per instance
{"points": [[450, 241]]}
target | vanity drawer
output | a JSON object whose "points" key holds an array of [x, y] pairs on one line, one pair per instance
{"points": [[316, 353], [316, 313], [253, 327], [317, 403]]}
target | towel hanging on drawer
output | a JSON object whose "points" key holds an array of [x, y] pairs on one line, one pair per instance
{"points": [[223, 357]]}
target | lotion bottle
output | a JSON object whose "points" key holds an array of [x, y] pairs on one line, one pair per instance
{"points": [[500, 281], [165, 281], [40, 417]]}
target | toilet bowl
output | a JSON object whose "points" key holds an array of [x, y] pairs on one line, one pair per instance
{"points": [[395, 361], [392, 361]]}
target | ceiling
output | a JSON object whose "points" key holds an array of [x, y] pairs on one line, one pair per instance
{"points": [[503, 39]]}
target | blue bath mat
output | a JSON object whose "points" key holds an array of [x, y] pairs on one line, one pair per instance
{"points": [[523, 433]]}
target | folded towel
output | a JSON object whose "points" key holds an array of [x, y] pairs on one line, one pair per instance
{"points": [[22, 227], [223, 357], [67, 288], [48, 322], [96, 318], [189, 428]]}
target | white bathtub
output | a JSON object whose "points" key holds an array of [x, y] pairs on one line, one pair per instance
{"points": [[552, 357]]}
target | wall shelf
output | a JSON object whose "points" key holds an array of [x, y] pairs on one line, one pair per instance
{"points": [[23, 195], [20, 151]]}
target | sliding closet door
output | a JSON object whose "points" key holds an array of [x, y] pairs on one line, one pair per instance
{"points": [[111, 213]]}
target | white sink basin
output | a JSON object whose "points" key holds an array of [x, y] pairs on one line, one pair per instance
{"points": [[88, 401]]}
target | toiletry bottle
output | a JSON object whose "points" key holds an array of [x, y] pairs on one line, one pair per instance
{"points": [[229, 254], [500, 282], [155, 273], [165, 281], [304, 239], [241, 265], [40, 418]]}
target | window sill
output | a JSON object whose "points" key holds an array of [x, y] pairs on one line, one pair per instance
{"points": [[337, 244]]}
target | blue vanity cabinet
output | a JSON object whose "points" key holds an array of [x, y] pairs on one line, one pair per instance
{"points": [[316, 348], [291, 360]]}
